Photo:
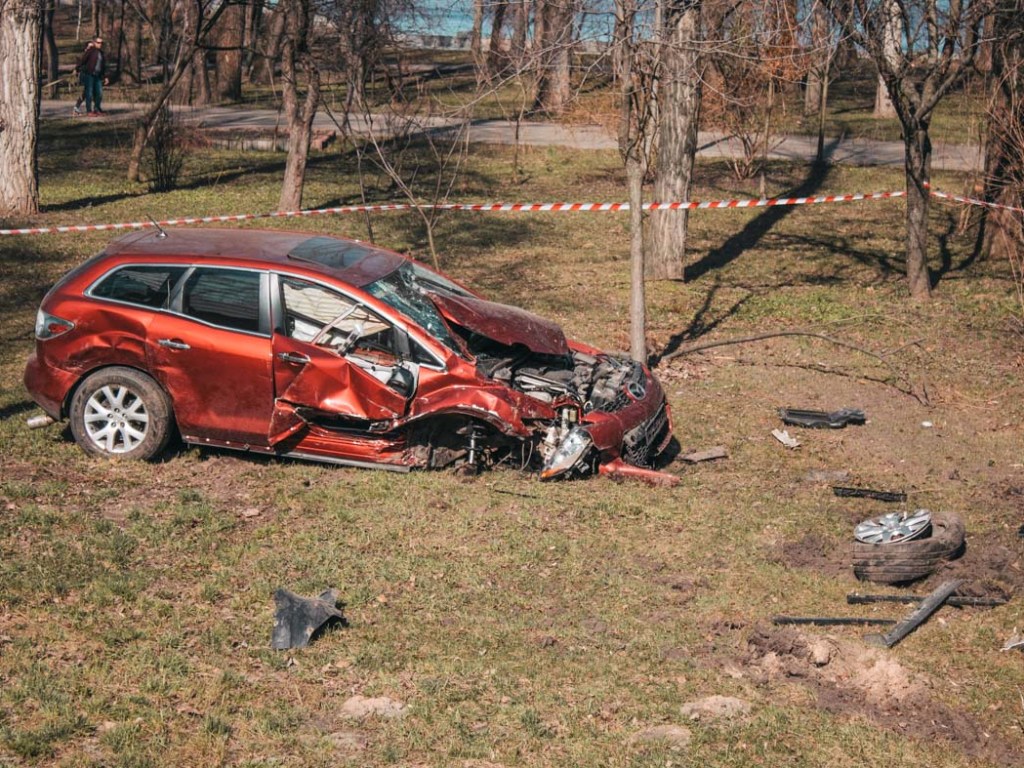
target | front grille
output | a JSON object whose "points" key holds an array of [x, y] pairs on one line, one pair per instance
{"points": [[641, 442]]}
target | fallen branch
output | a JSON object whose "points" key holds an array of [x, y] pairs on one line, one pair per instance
{"points": [[775, 335]]}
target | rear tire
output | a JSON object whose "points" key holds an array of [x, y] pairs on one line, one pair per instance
{"points": [[121, 413]]}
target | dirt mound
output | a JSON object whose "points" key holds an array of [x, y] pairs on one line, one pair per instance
{"points": [[812, 551], [868, 682], [993, 564]]}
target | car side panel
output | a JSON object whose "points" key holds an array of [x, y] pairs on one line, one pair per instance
{"points": [[102, 336], [221, 385]]}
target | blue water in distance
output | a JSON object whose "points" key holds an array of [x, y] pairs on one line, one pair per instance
{"points": [[455, 17]]}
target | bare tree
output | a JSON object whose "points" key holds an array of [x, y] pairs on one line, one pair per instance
{"points": [[678, 95], [916, 85], [636, 61], [201, 20], [1003, 230], [19, 106], [297, 61]]}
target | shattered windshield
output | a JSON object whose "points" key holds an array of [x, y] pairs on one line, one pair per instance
{"points": [[406, 290]]}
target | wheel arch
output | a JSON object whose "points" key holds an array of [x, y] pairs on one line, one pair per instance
{"points": [[65, 406]]}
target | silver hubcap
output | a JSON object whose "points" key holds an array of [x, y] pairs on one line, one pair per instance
{"points": [[893, 527], [116, 419]]}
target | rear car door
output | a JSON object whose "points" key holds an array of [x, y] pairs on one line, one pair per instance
{"points": [[213, 355], [334, 359]]}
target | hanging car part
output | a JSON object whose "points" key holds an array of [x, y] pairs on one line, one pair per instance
{"points": [[928, 606], [822, 419]]}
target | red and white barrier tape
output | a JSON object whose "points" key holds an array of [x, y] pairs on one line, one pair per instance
{"points": [[485, 208], [974, 201]]}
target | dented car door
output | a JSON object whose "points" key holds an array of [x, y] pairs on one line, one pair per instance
{"points": [[334, 362]]}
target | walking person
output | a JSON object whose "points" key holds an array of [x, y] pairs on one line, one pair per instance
{"points": [[81, 80], [94, 70]]}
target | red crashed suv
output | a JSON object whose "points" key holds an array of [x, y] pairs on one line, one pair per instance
{"points": [[321, 348]]}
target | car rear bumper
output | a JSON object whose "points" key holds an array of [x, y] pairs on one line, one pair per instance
{"points": [[48, 385]]}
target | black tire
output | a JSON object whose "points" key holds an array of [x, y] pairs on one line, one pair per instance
{"points": [[910, 560], [121, 413]]}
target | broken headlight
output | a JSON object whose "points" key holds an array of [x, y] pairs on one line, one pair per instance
{"points": [[569, 453]]}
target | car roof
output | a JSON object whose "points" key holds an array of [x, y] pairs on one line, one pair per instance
{"points": [[352, 261]]}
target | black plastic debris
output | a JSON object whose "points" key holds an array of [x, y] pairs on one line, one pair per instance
{"points": [[298, 618], [822, 419], [869, 493]]}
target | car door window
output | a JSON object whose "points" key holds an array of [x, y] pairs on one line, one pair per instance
{"points": [[144, 286], [229, 298], [330, 319]]}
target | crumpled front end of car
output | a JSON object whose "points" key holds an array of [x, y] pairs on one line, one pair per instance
{"points": [[622, 417]]}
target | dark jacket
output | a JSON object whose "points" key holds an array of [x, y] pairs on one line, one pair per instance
{"points": [[93, 62]]}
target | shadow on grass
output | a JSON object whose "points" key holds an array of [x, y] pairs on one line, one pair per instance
{"points": [[703, 322], [757, 228]]}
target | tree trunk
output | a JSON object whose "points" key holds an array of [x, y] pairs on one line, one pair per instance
{"points": [[918, 167], [884, 107], [519, 30], [200, 93], [253, 25], [295, 55], [19, 106], [495, 54], [50, 43], [229, 53], [476, 41], [637, 293], [1002, 234], [892, 36], [553, 85], [679, 92], [821, 55]]}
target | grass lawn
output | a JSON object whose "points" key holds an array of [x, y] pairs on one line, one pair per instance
{"points": [[529, 624]]}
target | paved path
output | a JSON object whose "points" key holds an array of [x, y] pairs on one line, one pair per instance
{"points": [[865, 152]]}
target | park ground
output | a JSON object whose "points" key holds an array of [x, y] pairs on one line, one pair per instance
{"points": [[520, 623]]}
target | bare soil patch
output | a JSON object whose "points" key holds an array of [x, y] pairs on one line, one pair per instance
{"points": [[865, 682]]}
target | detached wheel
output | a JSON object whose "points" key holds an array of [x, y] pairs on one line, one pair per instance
{"points": [[910, 560], [121, 413]]}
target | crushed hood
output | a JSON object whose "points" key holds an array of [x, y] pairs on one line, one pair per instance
{"points": [[502, 323]]}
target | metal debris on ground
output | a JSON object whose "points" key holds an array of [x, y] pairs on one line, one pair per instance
{"points": [[708, 454], [1016, 641], [298, 618], [832, 621], [783, 437], [798, 417], [921, 614], [957, 601], [868, 493]]}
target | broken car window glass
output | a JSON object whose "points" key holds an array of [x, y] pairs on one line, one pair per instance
{"points": [[406, 290], [325, 317]]}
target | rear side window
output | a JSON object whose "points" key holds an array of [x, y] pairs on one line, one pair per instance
{"points": [[142, 285], [229, 298]]}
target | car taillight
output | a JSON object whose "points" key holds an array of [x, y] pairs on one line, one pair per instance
{"points": [[48, 326]]}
